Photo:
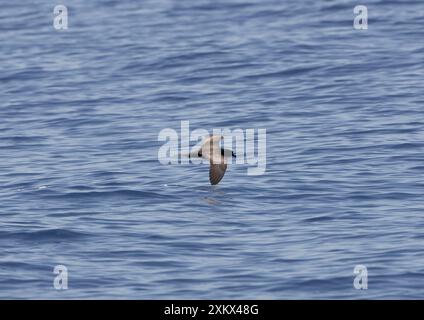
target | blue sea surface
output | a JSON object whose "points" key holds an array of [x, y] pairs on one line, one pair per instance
{"points": [[80, 181]]}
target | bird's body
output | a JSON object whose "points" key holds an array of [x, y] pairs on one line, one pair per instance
{"points": [[216, 155]]}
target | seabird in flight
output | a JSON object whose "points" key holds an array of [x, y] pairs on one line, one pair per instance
{"points": [[211, 150]]}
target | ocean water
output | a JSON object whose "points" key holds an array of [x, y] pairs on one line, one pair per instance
{"points": [[80, 181]]}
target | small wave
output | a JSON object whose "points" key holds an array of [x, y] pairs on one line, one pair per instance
{"points": [[283, 73], [43, 235], [95, 195]]}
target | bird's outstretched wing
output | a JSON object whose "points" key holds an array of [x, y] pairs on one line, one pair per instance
{"points": [[216, 172], [212, 151], [212, 139]]}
